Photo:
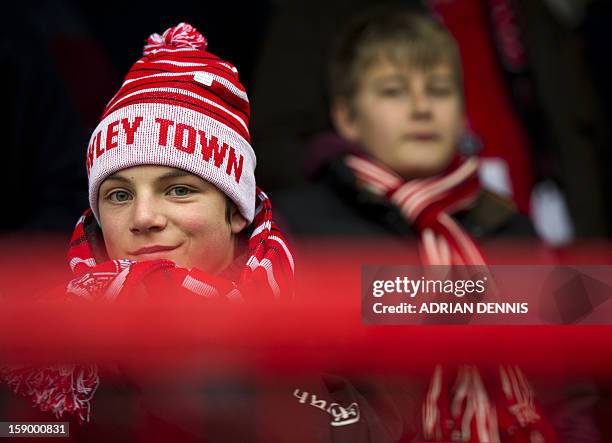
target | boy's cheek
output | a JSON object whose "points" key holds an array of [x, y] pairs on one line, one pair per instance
{"points": [[113, 241]]}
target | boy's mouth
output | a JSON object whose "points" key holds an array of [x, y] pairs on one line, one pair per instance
{"points": [[423, 136], [153, 249]]}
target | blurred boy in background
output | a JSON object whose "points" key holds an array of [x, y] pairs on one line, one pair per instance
{"points": [[402, 166]]}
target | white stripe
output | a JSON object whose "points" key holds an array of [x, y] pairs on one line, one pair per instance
{"points": [[252, 262], [461, 390], [80, 220], [166, 49], [258, 209], [414, 186], [515, 387], [90, 262], [465, 241], [505, 382], [285, 248], [232, 88], [406, 190], [123, 263], [373, 185], [163, 74], [525, 385], [186, 93], [172, 62], [267, 265], [373, 171], [432, 415], [389, 179], [261, 196], [267, 225], [419, 200], [199, 287], [429, 243], [116, 285], [468, 416], [484, 410]]}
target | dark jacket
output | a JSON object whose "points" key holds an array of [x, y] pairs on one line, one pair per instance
{"points": [[333, 205]]}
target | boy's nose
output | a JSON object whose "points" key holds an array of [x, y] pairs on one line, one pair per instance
{"points": [[147, 216], [421, 106]]}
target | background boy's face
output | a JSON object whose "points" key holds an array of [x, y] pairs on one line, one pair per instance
{"points": [[407, 118], [158, 212]]}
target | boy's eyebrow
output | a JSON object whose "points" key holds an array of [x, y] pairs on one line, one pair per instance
{"points": [[439, 76], [174, 174], [389, 78], [118, 177]]}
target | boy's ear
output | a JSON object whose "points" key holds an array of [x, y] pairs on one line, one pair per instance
{"points": [[343, 117], [237, 222]]}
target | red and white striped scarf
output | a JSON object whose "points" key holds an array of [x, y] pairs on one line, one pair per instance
{"points": [[498, 408], [428, 204], [463, 408], [266, 273]]}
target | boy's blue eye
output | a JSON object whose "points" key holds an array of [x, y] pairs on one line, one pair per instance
{"points": [[180, 191], [119, 196]]}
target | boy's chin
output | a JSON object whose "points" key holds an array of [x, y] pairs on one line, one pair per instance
{"points": [[423, 166], [423, 170]]}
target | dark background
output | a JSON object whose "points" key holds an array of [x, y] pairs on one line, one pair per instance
{"points": [[62, 60]]}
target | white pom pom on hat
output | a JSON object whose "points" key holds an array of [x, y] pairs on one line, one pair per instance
{"points": [[182, 35]]}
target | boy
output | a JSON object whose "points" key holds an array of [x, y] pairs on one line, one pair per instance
{"points": [[172, 199], [396, 169], [171, 173], [397, 106]]}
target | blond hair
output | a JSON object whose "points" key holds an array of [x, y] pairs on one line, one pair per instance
{"points": [[404, 38]]}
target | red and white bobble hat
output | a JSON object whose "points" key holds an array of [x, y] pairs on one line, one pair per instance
{"points": [[183, 107]]}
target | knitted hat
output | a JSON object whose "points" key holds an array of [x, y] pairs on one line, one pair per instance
{"points": [[183, 107]]}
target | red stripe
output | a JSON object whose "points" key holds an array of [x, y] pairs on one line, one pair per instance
{"points": [[220, 95], [182, 101]]}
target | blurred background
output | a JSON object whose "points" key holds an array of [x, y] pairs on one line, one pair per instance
{"points": [[537, 78], [537, 83]]}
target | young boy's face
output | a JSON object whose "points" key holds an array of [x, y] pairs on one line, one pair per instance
{"points": [[158, 212], [407, 118]]}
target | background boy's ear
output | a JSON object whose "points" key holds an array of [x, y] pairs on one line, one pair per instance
{"points": [[237, 221], [343, 118]]}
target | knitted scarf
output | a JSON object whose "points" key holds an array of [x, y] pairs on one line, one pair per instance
{"points": [[428, 204], [267, 272], [498, 407]]}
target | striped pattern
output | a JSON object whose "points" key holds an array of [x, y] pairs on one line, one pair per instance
{"points": [[473, 408], [167, 73], [428, 205], [59, 389], [471, 411], [162, 81], [175, 103]]}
